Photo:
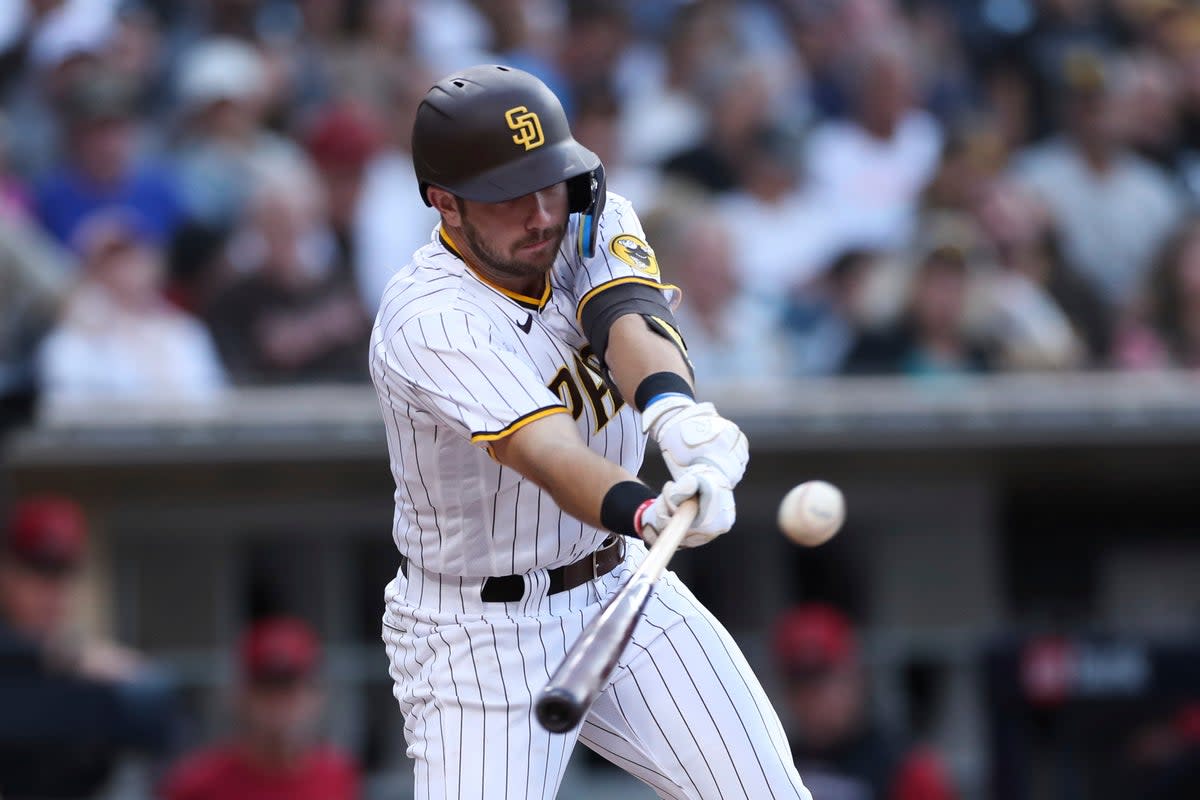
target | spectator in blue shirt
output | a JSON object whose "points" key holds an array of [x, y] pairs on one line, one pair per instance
{"points": [[102, 169]]}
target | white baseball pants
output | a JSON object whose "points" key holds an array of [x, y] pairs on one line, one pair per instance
{"points": [[682, 712]]}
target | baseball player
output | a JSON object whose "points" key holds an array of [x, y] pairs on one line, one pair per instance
{"points": [[520, 360]]}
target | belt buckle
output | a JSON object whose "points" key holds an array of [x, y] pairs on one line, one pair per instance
{"points": [[596, 564]]}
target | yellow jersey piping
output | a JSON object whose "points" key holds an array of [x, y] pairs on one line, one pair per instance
{"points": [[532, 303], [517, 424]]}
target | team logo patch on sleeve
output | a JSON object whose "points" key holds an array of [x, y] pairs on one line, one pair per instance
{"points": [[634, 252]]}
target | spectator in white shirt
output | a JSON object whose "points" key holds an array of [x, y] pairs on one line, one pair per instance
{"points": [[871, 169], [118, 337], [1111, 207], [783, 234]]}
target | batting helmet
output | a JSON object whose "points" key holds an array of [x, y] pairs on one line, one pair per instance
{"points": [[491, 133]]}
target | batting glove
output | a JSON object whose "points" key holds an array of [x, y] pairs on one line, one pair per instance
{"points": [[715, 516], [690, 433]]}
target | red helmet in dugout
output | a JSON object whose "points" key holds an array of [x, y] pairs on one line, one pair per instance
{"points": [[279, 649], [812, 639], [492, 133]]}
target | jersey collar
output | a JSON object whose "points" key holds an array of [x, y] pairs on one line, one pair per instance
{"points": [[525, 301]]}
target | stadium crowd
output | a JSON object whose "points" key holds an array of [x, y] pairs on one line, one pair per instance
{"points": [[198, 194]]}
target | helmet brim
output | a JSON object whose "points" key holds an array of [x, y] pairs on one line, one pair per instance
{"points": [[536, 170]]}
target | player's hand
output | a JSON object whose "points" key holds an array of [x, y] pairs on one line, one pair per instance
{"points": [[716, 513], [690, 433]]}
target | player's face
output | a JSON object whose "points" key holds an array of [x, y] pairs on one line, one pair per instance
{"points": [[520, 237]]}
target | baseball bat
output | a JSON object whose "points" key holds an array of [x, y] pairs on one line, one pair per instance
{"points": [[576, 683]]}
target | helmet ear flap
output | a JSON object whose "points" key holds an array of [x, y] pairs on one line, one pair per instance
{"points": [[586, 196]]}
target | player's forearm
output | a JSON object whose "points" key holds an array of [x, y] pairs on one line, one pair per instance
{"points": [[636, 352], [578, 480], [550, 453]]}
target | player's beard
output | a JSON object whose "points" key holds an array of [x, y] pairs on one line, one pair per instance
{"points": [[511, 265]]}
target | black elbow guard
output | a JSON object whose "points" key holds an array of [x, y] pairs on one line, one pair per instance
{"points": [[608, 306]]}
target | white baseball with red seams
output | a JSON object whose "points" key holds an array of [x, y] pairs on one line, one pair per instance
{"points": [[812, 513]]}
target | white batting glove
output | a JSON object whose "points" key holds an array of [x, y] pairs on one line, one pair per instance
{"points": [[714, 517], [690, 433]]}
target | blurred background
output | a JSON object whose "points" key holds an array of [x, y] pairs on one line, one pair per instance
{"points": [[944, 253]]}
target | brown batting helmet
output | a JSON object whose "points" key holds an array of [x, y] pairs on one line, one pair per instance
{"points": [[491, 133]]}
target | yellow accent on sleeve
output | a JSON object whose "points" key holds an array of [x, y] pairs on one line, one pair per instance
{"points": [[671, 331], [516, 425], [587, 298]]}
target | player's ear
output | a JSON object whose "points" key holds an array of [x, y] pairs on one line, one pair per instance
{"points": [[444, 203]]}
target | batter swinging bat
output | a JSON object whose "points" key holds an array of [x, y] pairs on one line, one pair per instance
{"points": [[576, 683]]}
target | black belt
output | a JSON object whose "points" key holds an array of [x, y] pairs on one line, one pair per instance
{"points": [[510, 588]]}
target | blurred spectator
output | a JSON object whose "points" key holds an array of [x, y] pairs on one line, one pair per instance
{"points": [[826, 35], [275, 752], [731, 335], [118, 337], [225, 148], [103, 169], [839, 748], [391, 220], [382, 56], [1042, 311], [872, 168], [664, 114], [1111, 207], [973, 156], [1147, 109], [527, 34], [57, 43], [940, 61], [1040, 54], [597, 127], [931, 337], [784, 236], [137, 54], [596, 37], [1169, 333], [822, 322], [295, 314], [72, 705], [738, 112], [342, 141], [34, 275], [197, 266]]}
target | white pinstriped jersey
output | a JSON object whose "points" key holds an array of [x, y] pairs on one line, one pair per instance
{"points": [[459, 362]]}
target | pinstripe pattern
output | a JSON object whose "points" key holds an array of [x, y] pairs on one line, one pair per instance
{"points": [[683, 712], [454, 370], [456, 365]]}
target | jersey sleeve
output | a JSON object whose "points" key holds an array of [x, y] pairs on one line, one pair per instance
{"points": [[452, 366], [623, 258]]}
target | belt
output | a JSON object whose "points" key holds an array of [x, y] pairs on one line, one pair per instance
{"points": [[510, 588]]}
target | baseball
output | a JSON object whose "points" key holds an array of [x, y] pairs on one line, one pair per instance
{"points": [[812, 513]]}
